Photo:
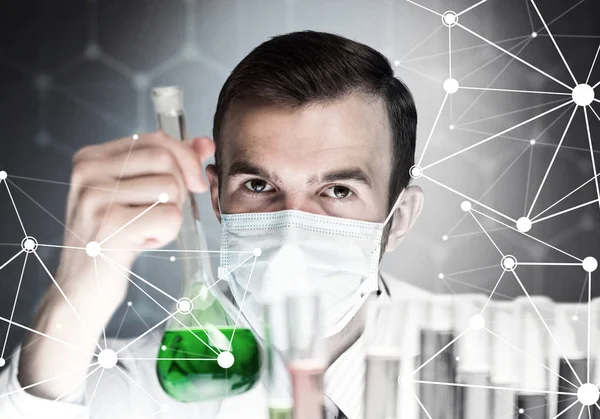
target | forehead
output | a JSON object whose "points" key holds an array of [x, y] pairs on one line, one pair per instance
{"points": [[350, 131]]}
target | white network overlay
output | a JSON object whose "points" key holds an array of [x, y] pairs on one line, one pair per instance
{"points": [[579, 95]]}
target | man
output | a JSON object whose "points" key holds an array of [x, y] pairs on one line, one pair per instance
{"points": [[308, 121]]}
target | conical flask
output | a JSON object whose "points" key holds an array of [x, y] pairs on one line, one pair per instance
{"points": [[208, 352]]}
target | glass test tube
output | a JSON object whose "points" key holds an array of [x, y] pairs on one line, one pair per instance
{"points": [[439, 400], [501, 321], [307, 360], [571, 332], [383, 339], [474, 365], [411, 346], [280, 402], [535, 342]]}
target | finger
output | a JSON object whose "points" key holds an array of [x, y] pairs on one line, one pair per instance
{"points": [[181, 150], [127, 227], [141, 190]]}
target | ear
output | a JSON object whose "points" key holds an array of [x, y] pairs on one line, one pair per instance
{"points": [[405, 216], [213, 187]]}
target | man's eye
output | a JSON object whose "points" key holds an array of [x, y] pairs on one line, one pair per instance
{"points": [[339, 192], [258, 186]]}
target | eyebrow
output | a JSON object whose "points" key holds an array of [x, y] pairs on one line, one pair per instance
{"points": [[352, 174], [243, 167]]}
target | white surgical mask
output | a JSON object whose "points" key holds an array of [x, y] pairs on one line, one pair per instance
{"points": [[338, 257]]}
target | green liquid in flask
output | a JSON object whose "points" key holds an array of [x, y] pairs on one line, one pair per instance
{"points": [[186, 376]]}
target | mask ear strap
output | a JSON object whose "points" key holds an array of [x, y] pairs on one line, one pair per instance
{"points": [[396, 205]]}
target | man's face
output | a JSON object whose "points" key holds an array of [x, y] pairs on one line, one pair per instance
{"points": [[332, 159]]}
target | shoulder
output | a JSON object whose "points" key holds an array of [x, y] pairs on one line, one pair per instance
{"points": [[401, 289]]}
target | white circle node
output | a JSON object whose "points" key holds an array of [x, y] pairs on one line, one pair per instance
{"points": [[163, 197], [3, 175], [575, 318], [451, 85], [172, 259], [583, 94], [457, 359], [524, 224], [466, 206], [588, 394], [135, 137], [444, 237], [451, 127], [257, 252], [405, 379], [107, 358], [164, 408], [163, 348], [589, 264], [477, 322], [534, 34], [93, 249], [450, 18], [532, 142], [521, 411], [415, 172], [509, 263], [441, 276], [29, 244], [2, 362], [129, 303], [184, 305], [396, 63], [225, 359]]}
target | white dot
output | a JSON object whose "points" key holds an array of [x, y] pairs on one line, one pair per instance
{"points": [[164, 408], [184, 305], [93, 249], [257, 252], [172, 258], [532, 142], [477, 322], [444, 237], [163, 197], [129, 303], [451, 85], [588, 394], [451, 127], [135, 137], [521, 411], [163, 348], [457, 359], [396, 63], [583, 94], [534, 34], [404, 380], [575, 318], [450, 19], [589, 264], [415, 172], [107, 358], [465, 206], [509, 263], [29, 244], [524, 224], [225, 359], [2, 362], [3, 175], [441, 276]]}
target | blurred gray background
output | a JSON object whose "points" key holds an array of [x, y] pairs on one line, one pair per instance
{"points": [[77, 72]]}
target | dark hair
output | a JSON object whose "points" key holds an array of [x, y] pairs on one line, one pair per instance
{"points": [[307, 67]]}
